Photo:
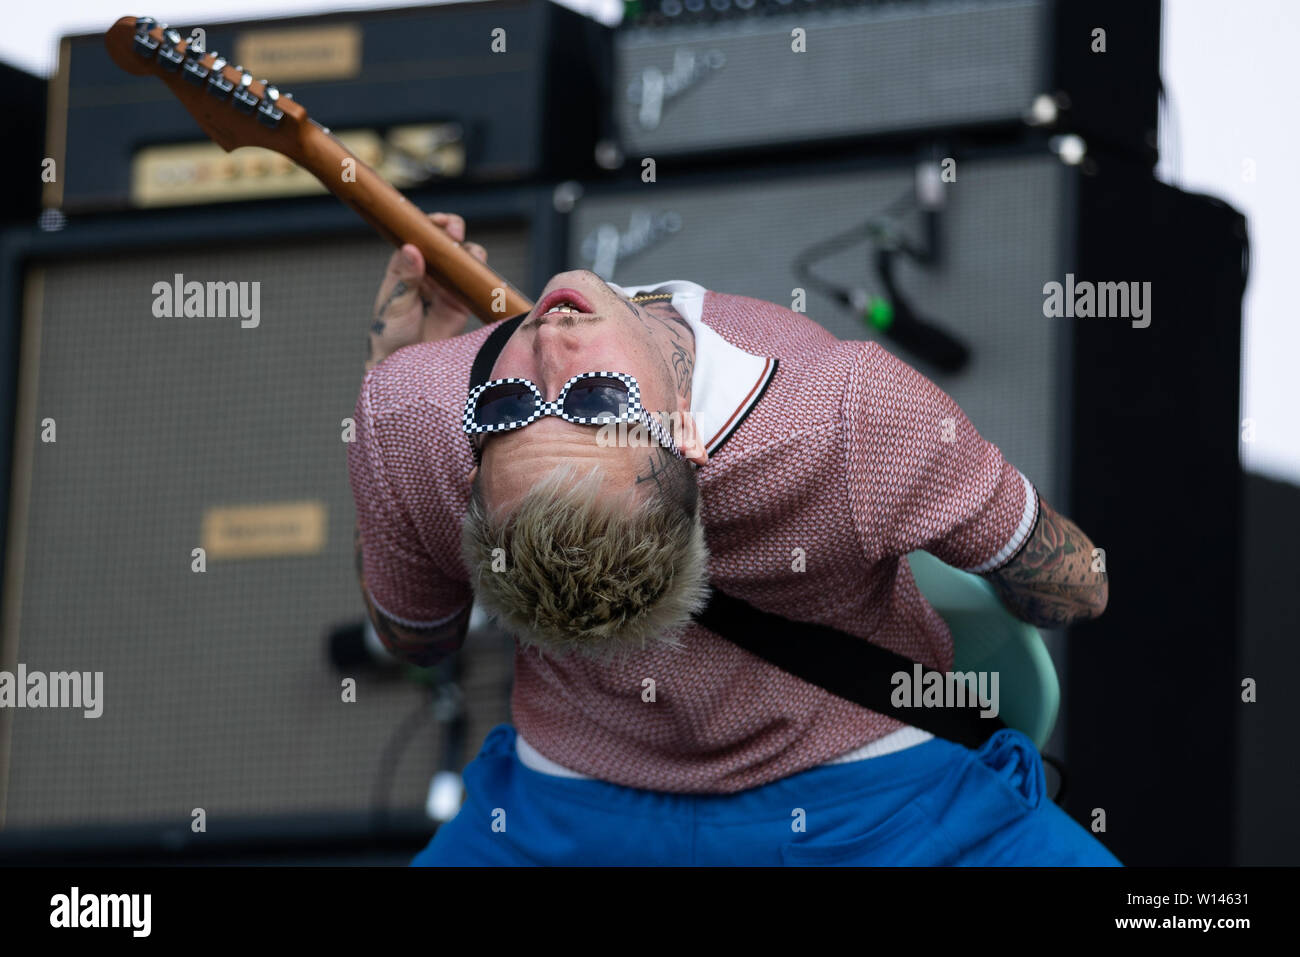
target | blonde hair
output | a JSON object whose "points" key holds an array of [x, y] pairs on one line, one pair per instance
{"points": [[590, 572]]}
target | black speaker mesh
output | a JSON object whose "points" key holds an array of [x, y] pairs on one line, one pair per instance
{"points": [[217, 692]]}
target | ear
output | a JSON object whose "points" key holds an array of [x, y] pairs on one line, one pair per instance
{"points": [[473, 473], [687, 435]]}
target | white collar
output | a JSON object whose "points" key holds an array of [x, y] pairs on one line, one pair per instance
{"points": [[728, 381]]}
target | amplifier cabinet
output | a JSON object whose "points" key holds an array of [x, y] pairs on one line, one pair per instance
{"points": [[176, 432], [794, 75], [1127, 422], [491, 75]]}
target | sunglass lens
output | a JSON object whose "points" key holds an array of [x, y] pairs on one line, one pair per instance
{"points": [[597, 398], [504, 404]]}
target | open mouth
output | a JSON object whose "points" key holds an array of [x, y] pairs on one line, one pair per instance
{"points": [[563, 301]]}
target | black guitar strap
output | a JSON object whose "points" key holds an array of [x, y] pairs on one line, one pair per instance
{"points": [[844, 665], [486, 357]]}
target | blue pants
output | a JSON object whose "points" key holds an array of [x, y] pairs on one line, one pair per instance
{"points": [[932, 804]]}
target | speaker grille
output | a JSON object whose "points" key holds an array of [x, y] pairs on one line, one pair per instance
{"points": [[884, 68], [217, 692], [1002, 237]]}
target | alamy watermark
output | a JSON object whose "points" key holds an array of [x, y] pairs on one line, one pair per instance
{"points": [[75, 910], [55, 689], [951, 689], [1098, 300], [211, 300], [680, 426]]}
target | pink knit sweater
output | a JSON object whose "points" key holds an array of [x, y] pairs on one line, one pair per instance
{"points": [[826, 455]]}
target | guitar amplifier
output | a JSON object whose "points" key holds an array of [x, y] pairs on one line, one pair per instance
{"points": [[1003, 220], [695, 78], [1108, 415], [143, 434], [450, 92]]}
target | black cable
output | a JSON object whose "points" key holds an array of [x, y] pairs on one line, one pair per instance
{"points": [[879, 227], [918, 335], [901, 323]]}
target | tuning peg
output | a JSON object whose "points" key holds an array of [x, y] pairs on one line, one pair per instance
{"points": [[145, 44], [243, 97], [168, 55], [269, 112], [218, 85], [194, 70]]}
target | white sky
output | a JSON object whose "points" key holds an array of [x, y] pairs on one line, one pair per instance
{"points": [[1229, 70]]}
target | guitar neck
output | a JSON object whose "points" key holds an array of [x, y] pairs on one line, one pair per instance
{"points": [[236, 110], [487, 294]]}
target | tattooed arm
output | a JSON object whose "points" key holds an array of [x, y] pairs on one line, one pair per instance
{"points": [[416, 646], [1051, 582], [409, 308]]}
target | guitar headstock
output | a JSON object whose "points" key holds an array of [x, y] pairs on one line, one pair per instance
{"points": [[232, 107]]}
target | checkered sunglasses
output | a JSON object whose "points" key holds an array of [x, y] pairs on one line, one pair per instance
{"points": [[591, 398]]}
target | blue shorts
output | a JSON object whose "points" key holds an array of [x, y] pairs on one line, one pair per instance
{"points": [[931, 804]]}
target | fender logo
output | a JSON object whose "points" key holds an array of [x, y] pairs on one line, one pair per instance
{"points": [[605, 247], [654, 89]]}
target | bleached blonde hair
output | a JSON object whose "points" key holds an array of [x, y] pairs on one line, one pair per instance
{"points": [[587, 571]]}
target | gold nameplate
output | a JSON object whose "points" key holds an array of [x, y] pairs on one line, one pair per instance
{"points": [[184, 173], [181, 174], [286, 56], [264, 531]]}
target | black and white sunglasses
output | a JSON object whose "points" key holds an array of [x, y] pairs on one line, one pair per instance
{"points": [[591, 398]]}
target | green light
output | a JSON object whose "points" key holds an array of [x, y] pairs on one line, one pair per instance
{"points": [[880, 313]]}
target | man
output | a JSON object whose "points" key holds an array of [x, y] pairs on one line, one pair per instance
{"points": [[807, 468]]}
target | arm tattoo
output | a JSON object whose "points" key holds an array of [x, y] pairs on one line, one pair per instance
{"points": [[398, 290], [378, 325], [417, 646], [1051, 582]]}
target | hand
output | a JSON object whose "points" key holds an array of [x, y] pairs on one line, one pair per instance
{"points": [[411, 307]]}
